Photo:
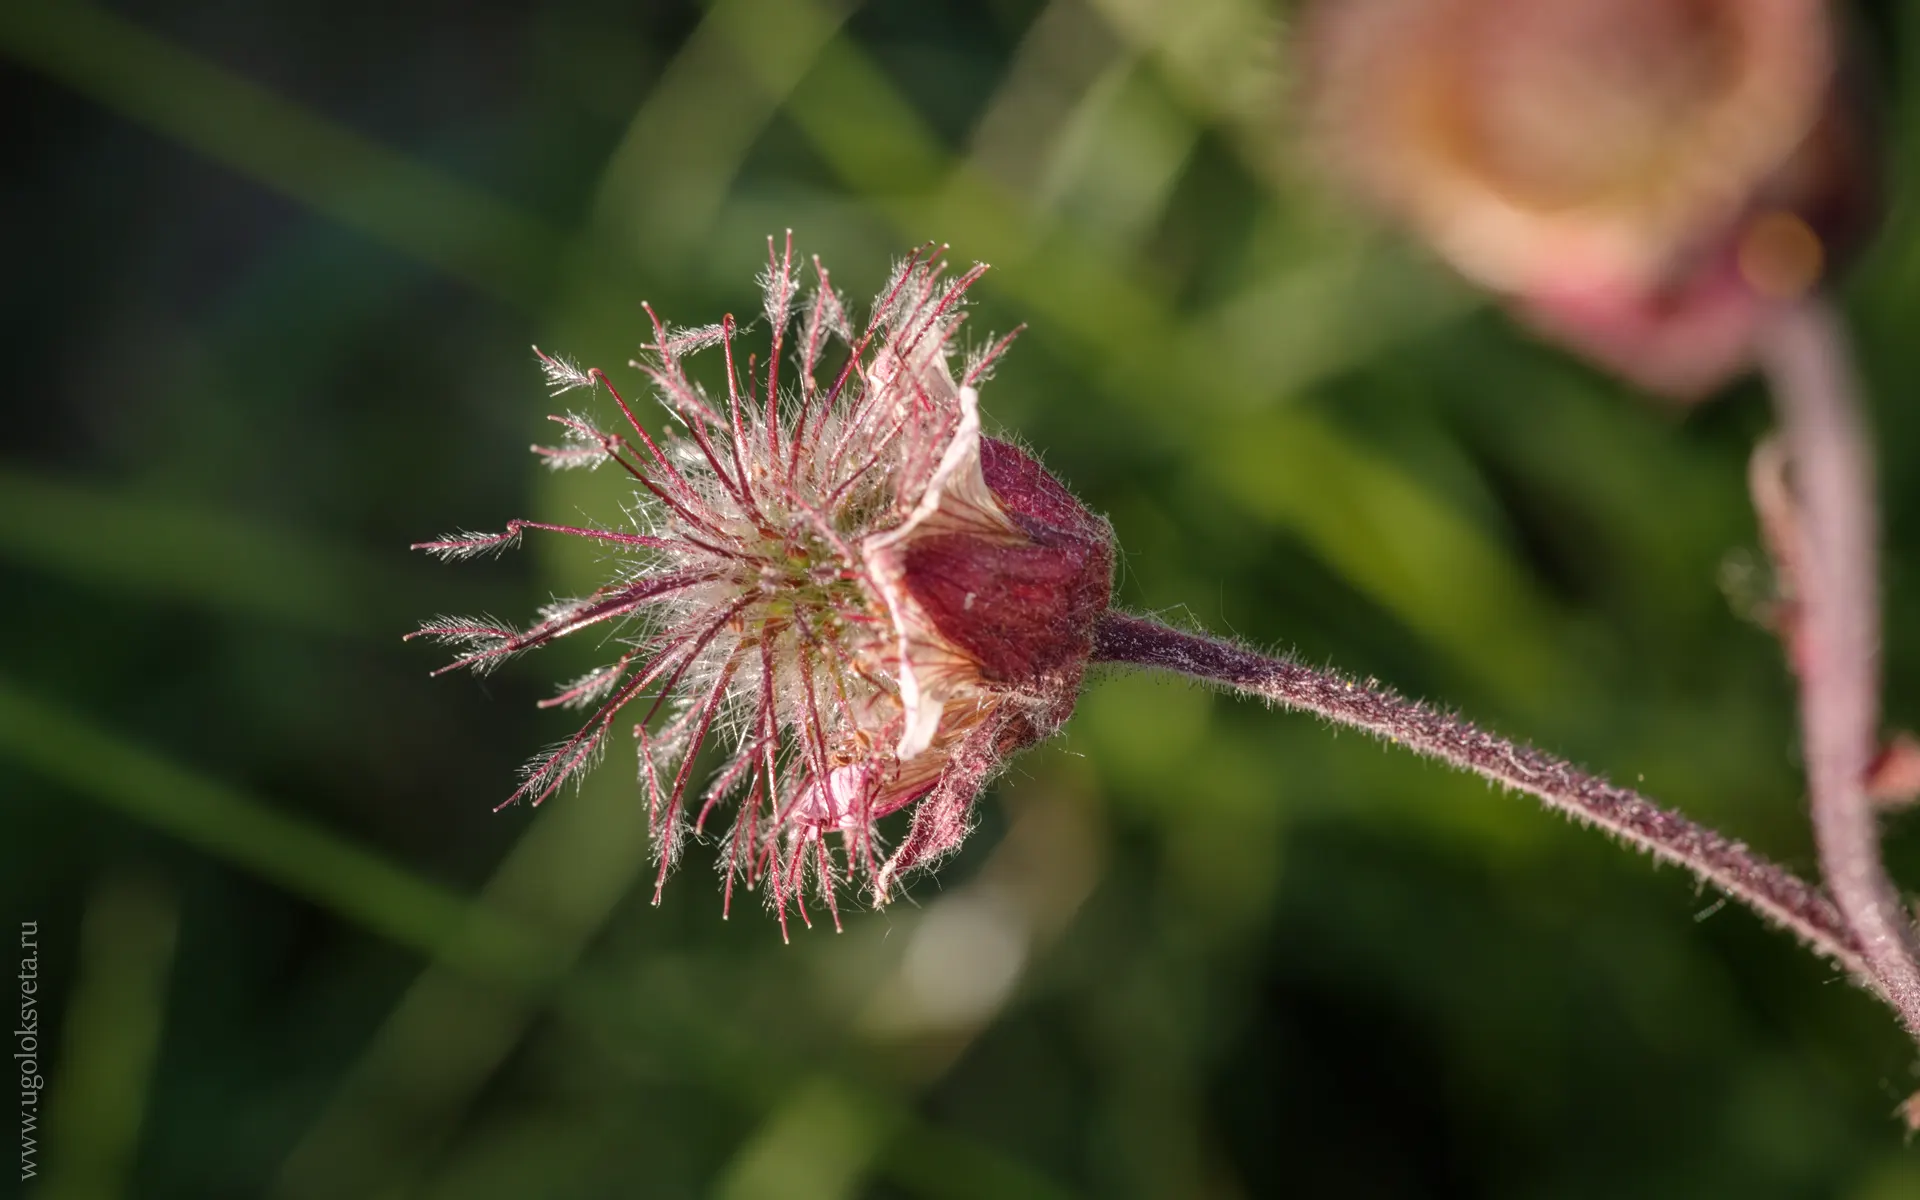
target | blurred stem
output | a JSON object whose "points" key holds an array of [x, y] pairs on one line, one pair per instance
{"points": [[291, 852], [1767, 888], [111, 1040], [1805, 356], [134, 545], [415, 209]]}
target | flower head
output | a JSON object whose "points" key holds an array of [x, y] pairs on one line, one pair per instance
{"points": [[1642, 176], [867, 602]]}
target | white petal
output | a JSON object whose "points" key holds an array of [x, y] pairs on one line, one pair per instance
{"points": [[923, 712]]}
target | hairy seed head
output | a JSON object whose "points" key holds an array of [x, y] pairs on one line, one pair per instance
{"points": [[838, 578]]}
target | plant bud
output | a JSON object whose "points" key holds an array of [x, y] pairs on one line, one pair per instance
{"points": [[1642, 177]]}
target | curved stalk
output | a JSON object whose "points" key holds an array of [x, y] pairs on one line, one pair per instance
{"points": [[1764, 886], [1804, 355]]}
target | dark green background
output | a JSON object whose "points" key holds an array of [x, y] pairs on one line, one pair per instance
{"points": [[271, 275]]}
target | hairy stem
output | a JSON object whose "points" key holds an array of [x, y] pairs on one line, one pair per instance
{"points": [[1804, 355], [1769, 889]]}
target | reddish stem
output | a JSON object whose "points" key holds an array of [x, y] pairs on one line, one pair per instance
{"points": [[1769, 889], [1804, 354]]}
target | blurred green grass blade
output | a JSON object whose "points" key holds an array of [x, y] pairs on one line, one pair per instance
{"points": [[817, 1145], [940, 1163], [665, 186], [1123, 333], [153, 548], [737, 1059], [1222, 58], [1219, 54], [822, 1140], [98, 1093], [412, 208], [883, 149], [146, 548], [285, 850], [670, 174], [1121, 154]]}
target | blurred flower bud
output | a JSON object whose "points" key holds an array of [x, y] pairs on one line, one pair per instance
{"points": [[872, 604], [1642, 177]]}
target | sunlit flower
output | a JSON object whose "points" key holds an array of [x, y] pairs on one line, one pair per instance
{"points": [[1642, 176], [867, 602]]}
